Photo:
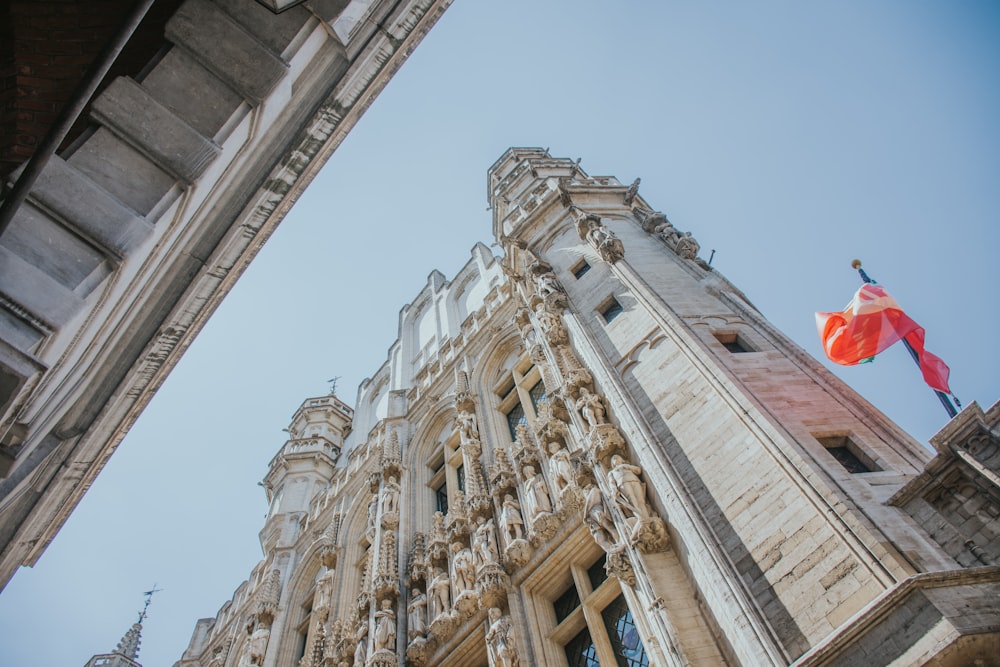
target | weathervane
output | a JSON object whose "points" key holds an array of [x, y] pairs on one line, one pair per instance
{"points": [[149, 597], [333, 384]]}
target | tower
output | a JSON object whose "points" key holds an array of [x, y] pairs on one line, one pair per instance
{"points": [[595, 449], [126, 654]]}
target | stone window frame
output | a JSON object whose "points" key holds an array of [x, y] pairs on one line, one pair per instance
{"points": [[853, 444], [734, 341], [610, 309], [514, 388], [445, 464], [568, 566], [580, 268]]}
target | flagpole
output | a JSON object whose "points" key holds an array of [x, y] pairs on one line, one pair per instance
{"points": [[943, 397]]}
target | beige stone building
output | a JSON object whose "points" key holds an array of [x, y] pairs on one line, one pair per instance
{"points": [[596, 451]]}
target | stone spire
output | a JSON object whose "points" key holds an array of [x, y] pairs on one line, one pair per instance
{"points": [[126, 653]]}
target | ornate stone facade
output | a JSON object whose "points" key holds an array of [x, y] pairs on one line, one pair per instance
{"points": [[577, 469]]}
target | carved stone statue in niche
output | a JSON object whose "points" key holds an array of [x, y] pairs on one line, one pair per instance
{"points": [[463, 569], [440, 594], [324, 593], [546, 284], [385, 627], [468, 432], [510, 517], [560, 469], [372, 512], [630, 492], [648, 531], [485, 543], [536, 494], [389, 502], [361, 650], [686, 246], [416, 614], [591, 408], [500, 640], [599, 521]]}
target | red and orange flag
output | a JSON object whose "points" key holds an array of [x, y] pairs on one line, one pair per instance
{"points": [[871, 323]]}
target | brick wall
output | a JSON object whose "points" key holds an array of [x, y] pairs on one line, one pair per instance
{"points": [[46, 47]]}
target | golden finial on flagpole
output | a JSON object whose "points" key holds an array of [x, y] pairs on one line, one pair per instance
{"points": [[855, 263]]}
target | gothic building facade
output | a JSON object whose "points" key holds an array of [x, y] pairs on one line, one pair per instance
{"points": [[595, 450]]}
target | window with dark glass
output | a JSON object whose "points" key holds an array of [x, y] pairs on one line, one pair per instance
{"points": [[597, 572], [624, 636], [441, 499], [538, 395], [732, 342], [848, 454], [581, 652], [566, 603], [460, 476], [611, 310], [580, 268], [514, 417]]}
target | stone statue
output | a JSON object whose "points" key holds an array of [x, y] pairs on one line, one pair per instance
{"points": [[485, 542], [499, 641], [361, 650], [463, 569], [416, 613], [467, 430], [372, 511], [630, 492], [510, 517], [324, 591], [687, 247], [591, 408], [560, 468], [389, 496], [258, 644], [632, 191], [440, 593], [537, 495], [598, 520], [667, 233], [385, 627], [546, 283], [597, 233]]}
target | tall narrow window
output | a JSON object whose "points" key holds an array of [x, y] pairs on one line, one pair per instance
{"points": [[521, 391]]}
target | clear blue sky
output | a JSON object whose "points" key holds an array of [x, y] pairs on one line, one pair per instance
{"points": [[790, 137]]}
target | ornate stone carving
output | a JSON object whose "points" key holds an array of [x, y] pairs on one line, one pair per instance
{"points": [[416, 615], [500, 640], [605, 442], [457, 519], [562, 477], [687, 247], [599, 521], [463, 575], [591, 408], [324, 595], [631, 192], [484, 543], [550, 322], [618, 565], [361, 643], [595, 232], [385, 627], [439, 592], [386, 579], [268, 595], [468, 430], [502, 474], [417, 562], [391, 459], [464, 398], [516, 547], [328, 542], [438, 546], [389, 503], [646, 530]]}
